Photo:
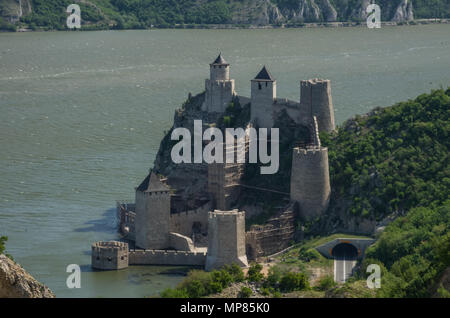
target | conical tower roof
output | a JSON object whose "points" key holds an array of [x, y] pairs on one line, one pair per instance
{"points": [[264, 75], [220, 60], [152, 183]]}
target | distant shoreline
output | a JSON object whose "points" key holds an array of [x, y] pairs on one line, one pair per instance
{"points": [[247, 26]]}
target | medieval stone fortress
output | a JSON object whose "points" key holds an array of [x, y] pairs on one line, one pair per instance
{"points": [[187, 214]]}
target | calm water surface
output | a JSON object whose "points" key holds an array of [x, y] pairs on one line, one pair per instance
{"points": [[82, 115]]}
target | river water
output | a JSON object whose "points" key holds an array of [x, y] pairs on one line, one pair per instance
{"points": [[82, 115]]}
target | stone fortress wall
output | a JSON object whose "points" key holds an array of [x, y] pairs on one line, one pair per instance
{"points": [[191, 221], [167, 257], [162, 237], [272, 237]]}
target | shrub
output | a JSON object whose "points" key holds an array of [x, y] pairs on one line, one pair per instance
{"points": [[254, 273], [222, 277], [294, 281], [309, 254], [326, 283], [245, 292], [236, 272], [273, 278], [276, 294], [174, 293], [3, 240], [214, 287], [195, 289]]}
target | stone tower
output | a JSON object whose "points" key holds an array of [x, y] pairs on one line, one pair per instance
{"points": [[109, 255], [310, 177], [263, 93], [219, 87], [315, 100], [226, 239], [152, 213]]}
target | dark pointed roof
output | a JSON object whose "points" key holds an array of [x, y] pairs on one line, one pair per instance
{"points": [[264, 75], [152, 183], [220, 60]]}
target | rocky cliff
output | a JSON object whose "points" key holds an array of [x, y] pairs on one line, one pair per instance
{"points": [[13, 10], [15, 282], [144, 13], [298, 11]]}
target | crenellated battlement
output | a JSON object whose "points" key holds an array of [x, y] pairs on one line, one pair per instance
{"points": [[310, 150], [220, 213], [109, 255], [109, 246]]}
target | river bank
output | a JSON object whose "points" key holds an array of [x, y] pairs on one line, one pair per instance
{"points": [[91, 27]]}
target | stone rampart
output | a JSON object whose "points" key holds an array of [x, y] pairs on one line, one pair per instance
{"points": [[166, 257]]}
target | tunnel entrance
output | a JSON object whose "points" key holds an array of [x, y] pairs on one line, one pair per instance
{"points": [[345, 256], [344, 251]]}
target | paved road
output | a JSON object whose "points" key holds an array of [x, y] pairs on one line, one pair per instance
{"points": [[343, 269], [344, 262]]}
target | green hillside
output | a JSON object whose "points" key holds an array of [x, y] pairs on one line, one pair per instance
{"points": [[396, 160], [135, 14], [393, 159]]}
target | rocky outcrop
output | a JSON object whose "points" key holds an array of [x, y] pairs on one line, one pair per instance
{"points": [[13, 10], [15, 282], [263, 12], [404, 12]]}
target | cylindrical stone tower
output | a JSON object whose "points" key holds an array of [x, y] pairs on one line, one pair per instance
{"points": [[226, 239], [310, 180], [219, 70], [219, 88]]}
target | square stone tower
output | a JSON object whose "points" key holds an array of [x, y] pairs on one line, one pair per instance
{"points": [[152, 223], [226, 239], [315, 100], [219, 87], [263, 94]]}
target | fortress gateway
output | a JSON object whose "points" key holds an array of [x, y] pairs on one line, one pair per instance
{"points": [[212, 234]]}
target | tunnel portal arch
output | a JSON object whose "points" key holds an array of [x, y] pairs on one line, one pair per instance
{"points": [[344, 251]]}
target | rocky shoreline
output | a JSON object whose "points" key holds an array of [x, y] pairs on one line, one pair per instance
{"points": [[15, 282]]}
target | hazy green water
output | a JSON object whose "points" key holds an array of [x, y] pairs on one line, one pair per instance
{"points": [[82, 115]]}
